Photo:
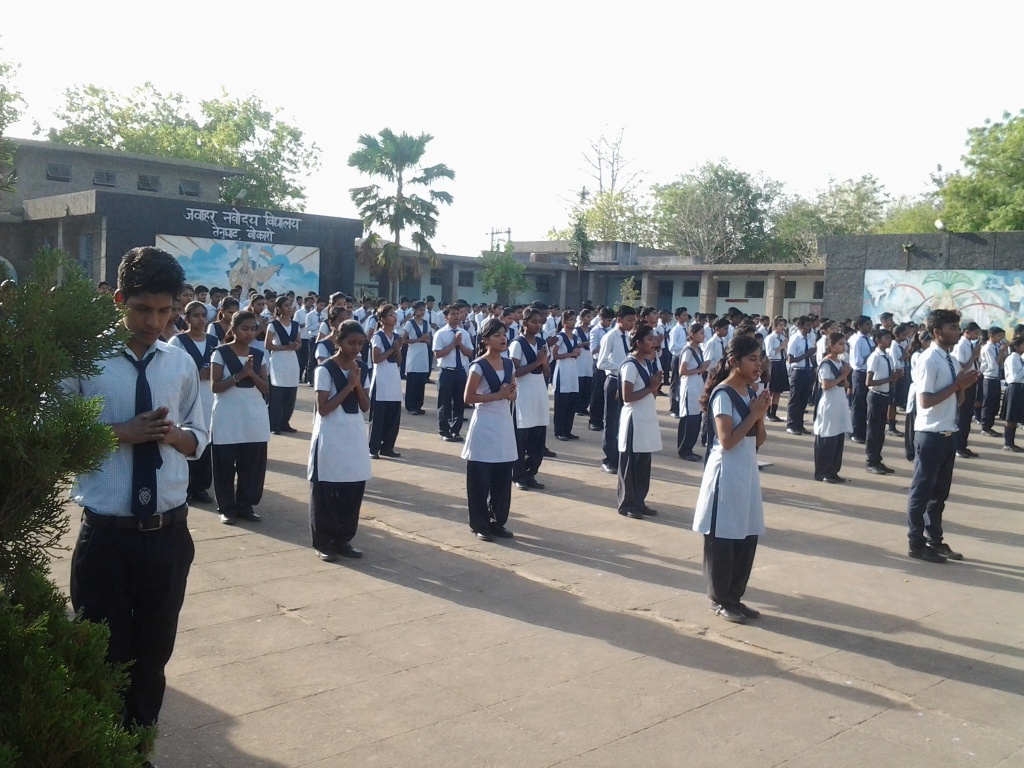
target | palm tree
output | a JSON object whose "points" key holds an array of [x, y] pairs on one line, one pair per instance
{"points": [[398, 160]]}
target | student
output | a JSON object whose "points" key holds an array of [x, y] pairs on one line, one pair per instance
{"points": [[175, 323], [832, 422], [418, 337], [339, 458], [990, 364], [861, 347], [639, 432], [490, 450], [301, 313], [199, 345], [613, 353], [202, 295], [585, 362], [310, 328], [882, 375], [692, 369], [677, 339], [258, 307], [239, 426], [222, 323], [325, 348], [715, 342], [134, 507], [566, 377], [386, 389], [800, 356], [775, 346], [283, 343], [918, 345], [452, 351], [1013, 401], [966, 352], [595, 418], [729, 511], [530, 356], [941, 384]]}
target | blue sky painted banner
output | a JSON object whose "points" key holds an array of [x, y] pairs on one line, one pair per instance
{"points": [[988, 297]]}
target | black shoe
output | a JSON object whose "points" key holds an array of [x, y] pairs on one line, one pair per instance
{"points": [[549, 454], [733, 614], [609, 469], [942, 548], [631, 514], [226, 519], [927, 554], [990, 433], [648, 511], [458, 439], [571, 436], [894, 433], [746, 610], [886, 469], [249, 514], [449, 439], [856, 440], [690, 457], [521, 485], [419, 412], [963, 455], [596, 427], [673, 415], [875, 469], [773, 417], [484, 536], [562, 438], [289, 428], [347, 550], [531, 482], [327, 557], [835, 479], [792, 431], [275, 431], [202, 498], [1013, 449], [391, 454], [374, 455], [501, 531]]}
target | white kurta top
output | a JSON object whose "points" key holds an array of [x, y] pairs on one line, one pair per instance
{"points": [[387, 377], [417, 356], [740, 512], [690, 387], [641, 415], [339, 448], [239, 413], [492, 435], [833, 415], [567, 378], [532, 399], [284, 364], [205, 388], [585, 362]]}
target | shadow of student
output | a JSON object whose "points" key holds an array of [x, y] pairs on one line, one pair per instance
{"points": [[194, 734]]}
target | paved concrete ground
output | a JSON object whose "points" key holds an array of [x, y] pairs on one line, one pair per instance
{"points": [[587, 640]]}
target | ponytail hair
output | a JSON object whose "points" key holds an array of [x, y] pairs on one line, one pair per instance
{"points": [[738, 348]]}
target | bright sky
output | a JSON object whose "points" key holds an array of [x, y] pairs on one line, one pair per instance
{"points": [[514, 92]]}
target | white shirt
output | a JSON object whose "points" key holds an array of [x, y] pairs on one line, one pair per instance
{"points": [[1013, 369], [174, 383], [677, 339], [881, 365], [988, 361], [312, 324], [443, 338], [799, 345], [614, 351], [963, 351], [775, 346], [862, 347], [597, 333], [714, 349], [936, 375]]}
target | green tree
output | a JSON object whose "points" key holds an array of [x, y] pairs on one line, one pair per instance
{"points": [[398, 160], [242, 133], [629, 293], [717, 213], [909, 216], [988, 195], [614, 216], [59, 702], [11, 104], [503, 274]]}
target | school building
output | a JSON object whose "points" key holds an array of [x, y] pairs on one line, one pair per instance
{"points": [[97, 203]]}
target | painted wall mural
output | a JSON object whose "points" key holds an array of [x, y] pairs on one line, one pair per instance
{"points": [[988, 297], [252, 265]]}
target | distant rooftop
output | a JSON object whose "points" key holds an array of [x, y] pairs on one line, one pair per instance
{"points": [[52, 146]]}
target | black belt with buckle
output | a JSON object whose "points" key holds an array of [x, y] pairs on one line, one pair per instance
{"points": [[152, 523]]}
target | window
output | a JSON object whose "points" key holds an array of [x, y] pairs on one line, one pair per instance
{"points": [[58, 172], [104, 178], [691, 287], [465, 278], [543, 283], [754, 290], [789, 289], [435, 277], [666, 289], [723, 289], [819, 289], [149, 183], [85, 245], [188, 188]]}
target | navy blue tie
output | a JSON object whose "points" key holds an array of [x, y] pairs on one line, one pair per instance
{"points": [[145, 456], [458, 352]]}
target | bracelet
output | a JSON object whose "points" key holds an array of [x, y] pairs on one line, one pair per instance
{"points": [[234, 377]]}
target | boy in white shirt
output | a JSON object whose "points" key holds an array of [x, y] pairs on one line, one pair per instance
{"points": [[882, 375], [990, 365]]}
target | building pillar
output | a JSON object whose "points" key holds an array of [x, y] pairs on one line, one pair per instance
{"points": [[708, 299], [562, 288], [103, 254], [648, 289], [449, 284], [774, 294]]}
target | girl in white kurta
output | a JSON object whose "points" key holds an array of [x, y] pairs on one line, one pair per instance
{"points": [[566, 352], [1013, 401], [639, 432], [530, 356], [832, 421], [283, 341], [239, 425], [584, 363], [490, 447], [386, 388], [730, 512], [339, 461], [692, 368]]}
